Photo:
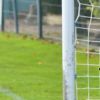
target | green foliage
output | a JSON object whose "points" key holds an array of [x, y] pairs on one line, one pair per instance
{"points": [[96, 10]]}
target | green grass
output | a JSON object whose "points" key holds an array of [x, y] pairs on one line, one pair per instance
{"points": [[30, 68], [88, 70]]}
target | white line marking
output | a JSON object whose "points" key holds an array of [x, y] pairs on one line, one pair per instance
{"points": [[93, 99], [9, 93]]}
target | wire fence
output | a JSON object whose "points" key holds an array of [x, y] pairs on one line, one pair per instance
{"points": [[32, 17]]}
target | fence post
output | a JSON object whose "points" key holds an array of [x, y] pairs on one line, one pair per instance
{"points": [[39, 18], [15, 6]]}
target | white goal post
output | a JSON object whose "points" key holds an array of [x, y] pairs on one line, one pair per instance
{"points": [[0, 14], [68, 49], [81, 49]]}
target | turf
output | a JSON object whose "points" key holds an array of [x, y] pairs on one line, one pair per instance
{"points": [[30, 69], [89, 82]]}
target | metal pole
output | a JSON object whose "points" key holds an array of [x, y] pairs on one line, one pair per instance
{"points": [[2, 15], [68, 49], [16, 16], [39, 18]]}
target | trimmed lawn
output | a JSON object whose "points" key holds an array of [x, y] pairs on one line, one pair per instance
{"points": [[30, 69]]}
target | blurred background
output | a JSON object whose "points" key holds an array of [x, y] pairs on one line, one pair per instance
{"points": [[87, 22], [40, 18]]}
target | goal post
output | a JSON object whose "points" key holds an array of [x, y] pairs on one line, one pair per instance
{"points": [[1, 2], [68, 49]]}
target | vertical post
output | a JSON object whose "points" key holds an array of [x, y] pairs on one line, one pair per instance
{"points": [[2, 15], [15, 6], [39, 18], [68, 49]]}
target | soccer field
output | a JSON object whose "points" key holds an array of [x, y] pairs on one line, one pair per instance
{"points": [[29, 69], [88, 74], [32, 70]]}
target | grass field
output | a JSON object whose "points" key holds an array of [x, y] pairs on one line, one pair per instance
{"points": [[31, 70], [88, 75]]}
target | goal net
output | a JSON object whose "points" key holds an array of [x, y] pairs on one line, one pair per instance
{"points": [[87, 38]]}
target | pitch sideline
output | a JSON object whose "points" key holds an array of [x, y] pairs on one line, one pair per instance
{"points": [[11, 94]]}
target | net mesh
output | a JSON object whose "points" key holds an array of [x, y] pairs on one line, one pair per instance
{"points": [[87, 34]]}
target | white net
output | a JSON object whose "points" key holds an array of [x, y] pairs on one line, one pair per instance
{"points": [[87, 31]]}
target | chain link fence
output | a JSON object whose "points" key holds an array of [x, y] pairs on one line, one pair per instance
{"points": [[32, 17]]}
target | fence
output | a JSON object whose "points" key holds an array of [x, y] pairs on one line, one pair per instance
{"points": [[32, 17]]}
